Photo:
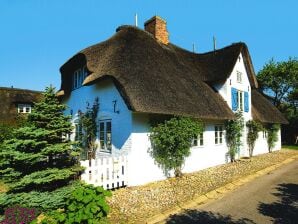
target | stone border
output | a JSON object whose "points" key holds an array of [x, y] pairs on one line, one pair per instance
{"points": [[216, 194]]}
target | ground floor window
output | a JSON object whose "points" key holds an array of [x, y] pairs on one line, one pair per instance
{"points": [[105, 135], [264, 134], [218, 134], [198, 140]]}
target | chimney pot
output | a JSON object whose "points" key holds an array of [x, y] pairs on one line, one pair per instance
{"points": [[158, 28]]}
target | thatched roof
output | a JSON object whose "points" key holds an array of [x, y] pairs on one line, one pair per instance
{"points": [[11, 97], [264, 111], [157, 78]]}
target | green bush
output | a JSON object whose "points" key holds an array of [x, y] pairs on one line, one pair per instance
{"points": [[171, 142], [253, 128], [272, 130], [86, 204]]}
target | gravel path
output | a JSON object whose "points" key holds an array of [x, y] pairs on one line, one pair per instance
{"points": [[136, 204]]}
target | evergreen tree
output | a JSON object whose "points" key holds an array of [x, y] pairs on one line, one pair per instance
{"points": [[40, 159]]}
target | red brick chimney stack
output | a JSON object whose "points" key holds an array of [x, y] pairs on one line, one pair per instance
{"points": [[158, 28]]}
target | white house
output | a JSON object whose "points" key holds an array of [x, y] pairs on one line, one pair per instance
{"points": [[139, 76]]}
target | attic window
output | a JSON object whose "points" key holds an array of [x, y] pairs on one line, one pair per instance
{"points": [[239, 77], [79, 77], [24, 108]]}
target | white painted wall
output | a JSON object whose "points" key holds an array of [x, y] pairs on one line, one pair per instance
{"points": [[107, 93]]}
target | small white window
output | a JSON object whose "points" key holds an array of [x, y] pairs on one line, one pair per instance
{"points": [[198, 140], [78, 77], [105, 135], [24, 108], [239, 77], [218, 134]]}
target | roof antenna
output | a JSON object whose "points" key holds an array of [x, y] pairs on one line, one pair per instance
{"points": [[193, 47], [136, 20], [214, 43]]}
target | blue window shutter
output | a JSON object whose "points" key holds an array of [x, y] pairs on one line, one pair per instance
{"points": [[246, 102], [234, 99]]}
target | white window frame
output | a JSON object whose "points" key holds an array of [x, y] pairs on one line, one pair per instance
{"points": [[78, 77], [239, 77], [240, 98], [198, 140], [218, 134], [24, 108], [105, 135]]}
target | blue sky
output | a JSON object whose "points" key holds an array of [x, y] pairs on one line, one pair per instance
{"points": [[38, 36]]}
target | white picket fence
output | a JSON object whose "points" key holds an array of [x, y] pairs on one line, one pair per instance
{"points": [[108, 172]]}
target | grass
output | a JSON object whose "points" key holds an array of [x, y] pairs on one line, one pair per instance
{"points": [[294, 147]]}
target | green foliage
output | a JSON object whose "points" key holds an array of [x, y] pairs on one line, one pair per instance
{"points": [[86, 204], [39, 160], [88, 122], [171, 142], [6, 132], [234, 130], [253, 128], [272, 137], [279, 80]]}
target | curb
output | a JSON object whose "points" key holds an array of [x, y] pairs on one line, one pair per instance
{"points": [[217, 193]]}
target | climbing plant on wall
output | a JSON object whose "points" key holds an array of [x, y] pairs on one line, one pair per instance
{"points": [[171, 141], [253, 128], [272, 137], [88, 125], [234, 130]]}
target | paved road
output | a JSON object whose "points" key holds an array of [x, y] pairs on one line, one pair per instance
{"points": [[272, 198]]}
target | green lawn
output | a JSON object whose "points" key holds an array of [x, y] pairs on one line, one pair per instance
{"points": [[295, 147]]}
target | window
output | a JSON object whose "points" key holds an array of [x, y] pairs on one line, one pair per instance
{"points": [[264, 134], [24, 108], [218, 132], [105, 135], [198, 140], [240, 100], [79, 77], [78, 132], [239, 77]]}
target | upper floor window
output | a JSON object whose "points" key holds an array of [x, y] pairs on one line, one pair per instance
{"points": [[105, 135], [24, 108], [78, 77], [240, 100], [218, 134], [239, 77], [198, 140]]}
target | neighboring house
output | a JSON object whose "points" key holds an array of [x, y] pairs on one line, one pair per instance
{"points": [[139, 76], [15, 102]]}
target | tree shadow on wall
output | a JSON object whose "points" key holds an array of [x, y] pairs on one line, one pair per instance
{"points": [[204, 217], [286, 210]]}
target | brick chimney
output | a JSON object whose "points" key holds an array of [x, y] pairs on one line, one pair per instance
{"points": [[158, 28]]}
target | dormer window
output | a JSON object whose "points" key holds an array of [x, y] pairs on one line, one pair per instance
{"points": [[79, 77], [239, 77], [24, 108]]}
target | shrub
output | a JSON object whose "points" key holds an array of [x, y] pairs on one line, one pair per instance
{"points": [[18, 214], [171, 142], [272, 130], [253, 129], [234, 129], [86, 204]]}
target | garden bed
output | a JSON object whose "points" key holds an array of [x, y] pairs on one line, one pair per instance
{"points": [[136, 204]]}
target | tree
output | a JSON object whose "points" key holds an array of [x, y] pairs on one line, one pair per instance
{"points": [[253, 129], [234, 130], [279, 80], [171, 142], [40, 160]]}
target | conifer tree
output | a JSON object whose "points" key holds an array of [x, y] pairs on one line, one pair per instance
{"points": [[40, 159]]}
